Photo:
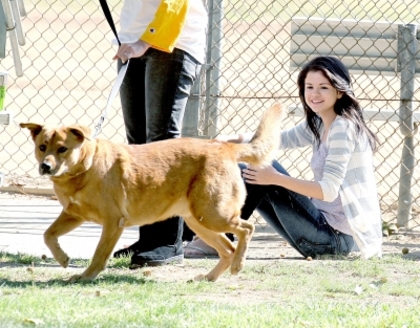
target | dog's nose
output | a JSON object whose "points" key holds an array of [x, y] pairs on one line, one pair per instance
{"points": [[45, 168]]}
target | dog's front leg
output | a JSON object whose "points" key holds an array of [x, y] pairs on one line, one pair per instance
{"points": [[62, 225], [110, 235]]}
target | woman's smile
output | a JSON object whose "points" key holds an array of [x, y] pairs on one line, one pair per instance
{"points": [[320, 95]]}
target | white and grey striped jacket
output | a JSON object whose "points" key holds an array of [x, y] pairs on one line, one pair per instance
{"points": [[348, 172]]}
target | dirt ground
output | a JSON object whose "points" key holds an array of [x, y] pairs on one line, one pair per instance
{"points": [[266, 248], [266, 243]]}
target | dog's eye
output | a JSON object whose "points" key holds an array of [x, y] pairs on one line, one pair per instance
{"points": [[42, 148], [62, 150]]}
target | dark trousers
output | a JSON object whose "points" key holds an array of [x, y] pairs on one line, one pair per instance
{"points": [[154, 95], [296, 219]]}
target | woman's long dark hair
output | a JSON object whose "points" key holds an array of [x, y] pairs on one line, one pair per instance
{"points": [[347, 106]]}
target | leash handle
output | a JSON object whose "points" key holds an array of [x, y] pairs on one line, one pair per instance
{"points": [[108, 17], [113, 94]]}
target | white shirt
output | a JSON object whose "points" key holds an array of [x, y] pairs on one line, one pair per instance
{"points": [[136, 15]]}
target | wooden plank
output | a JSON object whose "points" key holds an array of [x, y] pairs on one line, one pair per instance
{"points": [[5, 118], [343, 46], [372, 66], [366, 46], [345, 27]]}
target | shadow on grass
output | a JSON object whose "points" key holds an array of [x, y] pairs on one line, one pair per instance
{"points": [[9, 259], [407, 257], [411, 256], [109, 278], [15, 261]]}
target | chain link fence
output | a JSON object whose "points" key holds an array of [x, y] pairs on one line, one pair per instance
{"points": [[255, 49]]}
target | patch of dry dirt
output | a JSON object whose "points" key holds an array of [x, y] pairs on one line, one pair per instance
{"points": [[266, 247]]}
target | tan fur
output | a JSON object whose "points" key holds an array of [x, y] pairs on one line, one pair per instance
{"points": [[118, 186]]}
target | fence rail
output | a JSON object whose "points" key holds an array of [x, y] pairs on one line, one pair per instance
{"points": [[68, 73]]}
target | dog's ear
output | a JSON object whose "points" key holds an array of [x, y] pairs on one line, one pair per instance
{"points": [[80, 131], [33, 127]]}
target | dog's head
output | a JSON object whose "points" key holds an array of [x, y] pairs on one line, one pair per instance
{"points": [[57, 149]]}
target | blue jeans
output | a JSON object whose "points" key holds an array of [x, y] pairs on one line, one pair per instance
{"points": [[296, 219], [154, 95]]}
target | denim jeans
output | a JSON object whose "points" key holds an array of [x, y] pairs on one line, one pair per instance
{"points": [[154, 95], [296, 219]]}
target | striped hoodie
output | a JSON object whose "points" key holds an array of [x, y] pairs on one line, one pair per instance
{"points": [[348, 172]]}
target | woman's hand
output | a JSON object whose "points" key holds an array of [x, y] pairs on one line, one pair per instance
{"points": [[261, 175], [131, 50]]}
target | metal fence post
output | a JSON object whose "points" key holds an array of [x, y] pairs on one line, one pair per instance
{"points": [[407, 49], [13, 26], [214, 61], [3, 33]]}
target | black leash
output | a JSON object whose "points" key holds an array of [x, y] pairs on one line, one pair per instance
{"points": [[108, 17]]}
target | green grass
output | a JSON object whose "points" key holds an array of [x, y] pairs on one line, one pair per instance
{"points": [[283, 293]]}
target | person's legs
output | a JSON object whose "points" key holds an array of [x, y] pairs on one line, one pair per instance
{"points": [[168, 80], [133, 101], [299, 222]]}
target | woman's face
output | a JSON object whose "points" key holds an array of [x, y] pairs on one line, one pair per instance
{"points": [[320, 95]]}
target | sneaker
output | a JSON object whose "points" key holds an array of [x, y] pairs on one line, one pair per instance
{"points": [[161, 255], [161, 244]]}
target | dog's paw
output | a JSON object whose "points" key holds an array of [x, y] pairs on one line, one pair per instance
{"points": [[236, 267], [200, 277], [75, 278], [203, 277], [63, 260], [78, 278]]}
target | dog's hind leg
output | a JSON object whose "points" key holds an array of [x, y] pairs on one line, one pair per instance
{"points": [[219, 242], [244, 232], [111, 232], [62, 225]]}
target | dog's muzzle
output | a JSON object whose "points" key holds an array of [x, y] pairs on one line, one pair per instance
{"points": [[45, 168]]}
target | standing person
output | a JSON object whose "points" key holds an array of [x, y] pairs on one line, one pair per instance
{"points": [[165, 41], [339, 211]]}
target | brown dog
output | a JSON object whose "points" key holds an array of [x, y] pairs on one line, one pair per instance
{"points": [[119, 185]]}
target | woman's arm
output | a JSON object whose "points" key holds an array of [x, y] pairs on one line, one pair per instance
{"points": [[233, 138], [270, 176], [298, 136], [341, 145]]}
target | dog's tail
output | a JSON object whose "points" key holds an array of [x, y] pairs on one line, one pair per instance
{"points": [[266, 140]]}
